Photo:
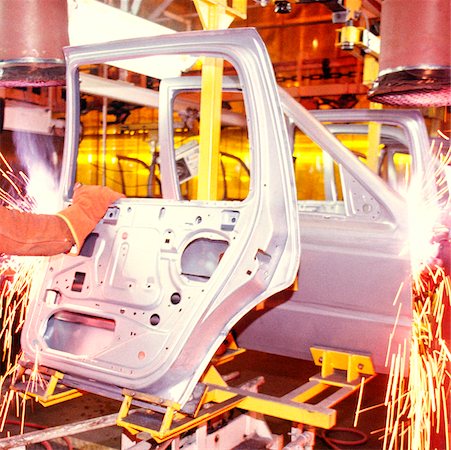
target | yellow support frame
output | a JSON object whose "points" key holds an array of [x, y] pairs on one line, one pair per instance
{"points": [[214, 15], [339, 369], [164, 419], [370, 72], [231, 351], [55, 392]]}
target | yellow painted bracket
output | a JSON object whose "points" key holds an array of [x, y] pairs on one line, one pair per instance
{"points": [[353, 7], [340, 368], [164, 421], [214, 15], [356, 39], [227, 351], [54, 392], [213, 377]]}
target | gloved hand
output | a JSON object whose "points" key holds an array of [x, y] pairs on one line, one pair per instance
{"points": [[89, 205]]}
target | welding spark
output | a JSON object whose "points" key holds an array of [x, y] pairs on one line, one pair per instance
{"points": [[30, 194], [417, 406], [427, 200], [16, 275], [41, 162]]}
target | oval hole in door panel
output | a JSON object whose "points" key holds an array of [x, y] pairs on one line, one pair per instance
{"points": [[79, 334], [201, 257]]}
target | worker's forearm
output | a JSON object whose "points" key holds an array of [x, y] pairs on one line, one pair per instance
{"points": [[33, 234]]}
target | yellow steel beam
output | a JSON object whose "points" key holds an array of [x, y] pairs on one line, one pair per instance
{"points": [[282, 408], [217, 15], [308, 391], [214, 15], [374, 134], [370, 73], [209, 128]]}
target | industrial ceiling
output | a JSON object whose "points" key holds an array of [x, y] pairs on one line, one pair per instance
{"points": [[301, 43], [303, 38]]}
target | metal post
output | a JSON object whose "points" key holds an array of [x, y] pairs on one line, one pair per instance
{"points": [[214, 15]]}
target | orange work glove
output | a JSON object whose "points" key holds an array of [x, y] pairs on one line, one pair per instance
{"points": [[89, 205]]}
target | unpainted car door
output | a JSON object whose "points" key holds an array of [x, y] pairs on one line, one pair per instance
{"points": [[161, 281]]}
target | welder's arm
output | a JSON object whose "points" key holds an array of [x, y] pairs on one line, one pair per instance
{"points": [[24, 233], [44, 235]]}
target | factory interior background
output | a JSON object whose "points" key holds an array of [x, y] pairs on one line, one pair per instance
{"points": [[331, 57]]}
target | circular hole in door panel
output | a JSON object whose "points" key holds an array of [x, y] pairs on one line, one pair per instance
{"points": [[201, 257]]}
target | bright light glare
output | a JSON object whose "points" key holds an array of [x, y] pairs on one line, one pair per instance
{"points": [[417, 413], [44, 190], [37, 193], [40, 159], [424, 217]]}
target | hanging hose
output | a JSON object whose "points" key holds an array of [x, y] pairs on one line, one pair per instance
{"points": [[333, 442]]}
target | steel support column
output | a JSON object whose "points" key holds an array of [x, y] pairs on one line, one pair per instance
{"points": [[214, 15]]}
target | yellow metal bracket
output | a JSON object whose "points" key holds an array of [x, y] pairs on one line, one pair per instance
{"points": [[214, 15], [227, 351], [163, 420], [359, 40], [353, 7], [341, 368], [47, 392]]}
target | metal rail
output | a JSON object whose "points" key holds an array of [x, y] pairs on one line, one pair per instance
{"points": [[70, 429]]}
